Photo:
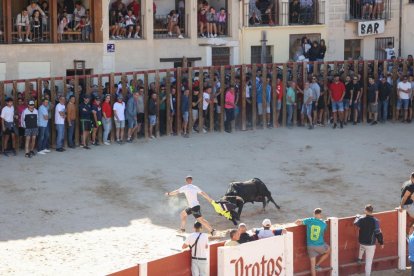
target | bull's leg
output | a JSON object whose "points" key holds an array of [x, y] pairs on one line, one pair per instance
{"points": [[264, 204], [270, 198], [239, 209]]}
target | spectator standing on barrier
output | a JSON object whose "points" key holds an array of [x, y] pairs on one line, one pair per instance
{"points": [[43, 123], [119, 117], [369, 232], [229, 107], [265, 232], [372, 94], [336, 93], [60, 116], [85, 114], [384, 98], [198, 244], [315, 230], [29, 123], [191, 193], [243, 235], [132, 116], [234, 238], [71, 119], [107, 119], [152, 114], [407, 191]]}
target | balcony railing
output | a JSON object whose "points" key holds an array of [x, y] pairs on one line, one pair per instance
{"points": [[163, 30], [283, 13], [39, 32], [357, 11], [220, 28]]}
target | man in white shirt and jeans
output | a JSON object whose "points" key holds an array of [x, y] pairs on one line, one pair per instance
{"points": [[198, 244], [191, 192]]}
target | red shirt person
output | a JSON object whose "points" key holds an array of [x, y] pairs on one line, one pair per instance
{"points": [[336, 93], [107, 118]]}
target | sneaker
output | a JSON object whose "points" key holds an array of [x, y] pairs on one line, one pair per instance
{"points": [[204, 131], [137, 36], [28, 155], [20, 40], [59, 150], [310, 127], [170, 33], [118, 37], [41, 152], [152, 137], [14, 152], [129, 35], [32, 153], [113, 37], [359, 261], [129, 140], [107, 143], [354, 123], [28, 40], [86, 147], [374, 123], [215, 35], [341, 125], [180, 37]]}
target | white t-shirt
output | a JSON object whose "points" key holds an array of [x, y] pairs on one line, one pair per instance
{"points": [[7, 114], [191, 191], [59, 120], [206, 100], [202, 244], [404, 86], [120, 110], [390, 52]]}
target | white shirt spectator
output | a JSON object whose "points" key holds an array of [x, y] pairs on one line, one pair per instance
{"points": [[59, 120], [316, 89], [7, 114], [206, 100], [129, 20], [120, 110], [78, 13], [191, 191], [306, 3], [390, 52], [201, 246], [22, 20], [31, 9], [404, 86]]}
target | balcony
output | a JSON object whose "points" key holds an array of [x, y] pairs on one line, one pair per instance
{"points": [[284, 13], [356, 11]]}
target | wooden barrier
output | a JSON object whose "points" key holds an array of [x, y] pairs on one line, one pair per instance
{"points": [[175, 265]]}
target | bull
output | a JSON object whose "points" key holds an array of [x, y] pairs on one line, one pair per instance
{"points": [[253, 190]]}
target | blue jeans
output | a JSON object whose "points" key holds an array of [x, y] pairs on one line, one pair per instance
{"points": [[384, 110], [289, 109], [412, 268], [60, 135], [107, 126], [43, 138], [71, 134]]}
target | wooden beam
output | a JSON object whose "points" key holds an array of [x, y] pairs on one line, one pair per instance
{"points": [[77, 100], [190, 106], [53, 21], [112, 93], [274, 95], [52, 126], [8, 23], [146, 97], [295, 79], [178, 114], [212, 100], [264, 103], [169, 118], [200, 97], [326, 93], [222, 96], [157, 90], [364, 96], [285, 78], [97, 18], [253, 95], [243, 97]]}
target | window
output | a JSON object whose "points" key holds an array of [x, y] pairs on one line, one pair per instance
{"points": [[75, 21], [256, 54], [352, 49], [380, 45], [359, 11], [298, 47], [220, 56], [213, 18], [125, 19], [170, 19], [263, 12], [306, 12]]}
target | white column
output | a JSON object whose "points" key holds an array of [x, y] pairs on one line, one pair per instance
{"points": [[143, 269], [209, 55], [234, 55], [402, 239], [148, 19], [288, 258], [334, 246]]}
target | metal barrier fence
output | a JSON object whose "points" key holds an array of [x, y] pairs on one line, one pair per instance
{"points": [[245, 78]]}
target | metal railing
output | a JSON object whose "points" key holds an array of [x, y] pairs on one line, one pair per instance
{"points": [[39, 31], [216, 29], [357, 11], [161, 28]]}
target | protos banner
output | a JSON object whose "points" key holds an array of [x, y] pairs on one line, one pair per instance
{"points": [[271, 256]]}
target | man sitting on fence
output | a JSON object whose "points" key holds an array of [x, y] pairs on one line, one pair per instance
{"points": [[265, 231]]}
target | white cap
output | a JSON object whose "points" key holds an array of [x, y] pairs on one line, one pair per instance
{"points": [[242, 224], [266, 222]]}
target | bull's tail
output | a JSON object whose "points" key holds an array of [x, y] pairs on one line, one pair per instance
{"points": [[270, 199]]}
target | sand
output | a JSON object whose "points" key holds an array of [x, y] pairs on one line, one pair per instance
{"points": [[99, 211]]}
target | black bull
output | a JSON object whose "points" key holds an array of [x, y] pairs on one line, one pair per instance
{"points": [[253, 190]]}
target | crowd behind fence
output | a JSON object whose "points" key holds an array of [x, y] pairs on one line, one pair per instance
{"points": [[169, 84]]}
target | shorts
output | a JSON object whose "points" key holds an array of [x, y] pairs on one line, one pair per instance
{"points": [[140, 118], [185, 117], [337, 106], [410, 209], [307, 109], [21, 131], [31, 131], [120, 124], [152, 120], [346, 103], [404, 103], [315, 251], [373, 108], [321, 103], [260, 108], [132, 123], [85, 125], [279, 105], [195, 211]]}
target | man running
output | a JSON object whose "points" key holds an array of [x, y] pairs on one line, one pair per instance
{"points": [[191, 192]]}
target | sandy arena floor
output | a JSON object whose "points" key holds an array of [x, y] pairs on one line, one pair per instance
{"points": [[100, 211]]}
